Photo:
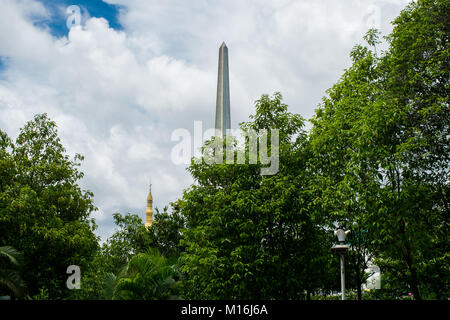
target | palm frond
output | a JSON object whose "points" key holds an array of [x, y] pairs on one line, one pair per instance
{"points": [[148, 276], [11, 280], [109, 286], [12, 254]]}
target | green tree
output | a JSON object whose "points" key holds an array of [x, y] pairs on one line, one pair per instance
{"points": [[166, 231], [416, 155], [10, 278], [344, 169], [130, 238], [147, 276], [380, 141], [43, 211], [250, 236]]}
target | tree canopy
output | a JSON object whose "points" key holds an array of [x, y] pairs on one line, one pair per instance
{"points": [[43, 211], [375, 161]]}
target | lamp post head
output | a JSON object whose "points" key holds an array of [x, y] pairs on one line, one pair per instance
{"points": [[341, 234]]}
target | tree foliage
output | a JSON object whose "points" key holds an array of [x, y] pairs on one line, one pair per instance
{"points": [[381, 138], [10, 278], [43, 211], [376, 161], [147, 276], [250, 236]]}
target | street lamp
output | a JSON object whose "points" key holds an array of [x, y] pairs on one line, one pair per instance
{"points": [[341, 248]]}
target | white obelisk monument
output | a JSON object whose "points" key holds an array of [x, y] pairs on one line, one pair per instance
{"points": [[223, 120]]}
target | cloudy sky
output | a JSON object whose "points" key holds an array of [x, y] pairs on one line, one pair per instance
{"points": [[130, 72]]}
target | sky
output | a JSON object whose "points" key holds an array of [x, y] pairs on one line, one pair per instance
{"points": [[123, 77]]}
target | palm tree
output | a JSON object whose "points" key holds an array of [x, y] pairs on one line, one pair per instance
{"points": [[147, 276], [10, 278], [109, 286]]}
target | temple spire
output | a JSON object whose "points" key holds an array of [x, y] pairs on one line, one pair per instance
{"points": [[149, 211], [223, 119]]}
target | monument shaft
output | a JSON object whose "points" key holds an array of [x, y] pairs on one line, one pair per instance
{"points": [[223, 120]]}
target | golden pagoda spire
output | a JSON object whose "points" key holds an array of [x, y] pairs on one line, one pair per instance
{"points": [[149, 212]]}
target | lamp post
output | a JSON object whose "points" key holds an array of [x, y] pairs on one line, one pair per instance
{"points": [[341, 248]]}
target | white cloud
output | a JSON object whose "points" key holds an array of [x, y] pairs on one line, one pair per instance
{"points": [[117, 95]]}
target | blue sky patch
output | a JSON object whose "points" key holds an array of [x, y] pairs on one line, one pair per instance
{"points": [[3, 65], [95, 8]]}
